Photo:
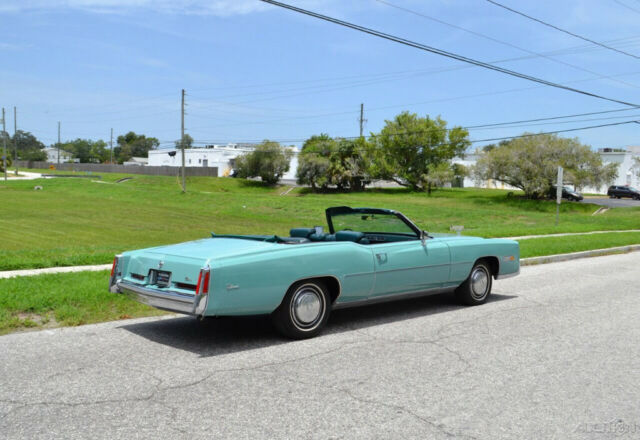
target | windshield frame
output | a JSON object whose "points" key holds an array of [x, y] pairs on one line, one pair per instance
{"points": [[342, 210]]}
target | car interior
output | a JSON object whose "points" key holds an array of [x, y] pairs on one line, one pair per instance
{"points": [[307, 235]]}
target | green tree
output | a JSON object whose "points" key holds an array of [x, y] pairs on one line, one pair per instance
{"points": [[313, 161], [531, 163], [410, 147], [350, 164], [28, 146], [269, 161], [87, 151], [134, 145], [325, 161], [188, 142]]}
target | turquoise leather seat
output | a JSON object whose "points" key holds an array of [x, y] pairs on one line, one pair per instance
{"points": [[301, 232], [355, 236]]}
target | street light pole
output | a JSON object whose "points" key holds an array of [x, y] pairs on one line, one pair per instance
{"points": [[4, 142], [15, 138], [184, 186], [58, 143], [111, 148]]}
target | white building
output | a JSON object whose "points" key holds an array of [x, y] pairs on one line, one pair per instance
{"points": [[627, 160], [628, 165], [220, 156], [52, 155]]}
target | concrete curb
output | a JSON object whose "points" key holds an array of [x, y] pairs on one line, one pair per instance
{"points": [[63, 269], [577, 255]]}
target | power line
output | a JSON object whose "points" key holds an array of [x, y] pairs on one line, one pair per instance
{"points": [[473, 141], [562, 30], [547, 118], [506, 43], [441, 52], [627, 6]]}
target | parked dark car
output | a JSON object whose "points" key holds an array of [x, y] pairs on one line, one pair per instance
{"points": [[567, 193], [617, 192]]}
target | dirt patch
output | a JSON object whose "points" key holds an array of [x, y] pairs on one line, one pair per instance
{"points": [[36, 321]]}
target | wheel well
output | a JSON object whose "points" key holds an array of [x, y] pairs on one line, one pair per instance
{"points": [[332, 283], [494, 264]]}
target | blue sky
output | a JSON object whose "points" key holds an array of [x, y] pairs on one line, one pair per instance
{"points": [[253, 71]]}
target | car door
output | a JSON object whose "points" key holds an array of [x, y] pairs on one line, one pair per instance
{"points": [[410, 266]]}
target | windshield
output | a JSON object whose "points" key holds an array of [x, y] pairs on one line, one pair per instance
{"points": [[364, 220]]}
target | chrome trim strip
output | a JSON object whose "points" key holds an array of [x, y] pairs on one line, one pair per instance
{"points": [[165, 300], [508, 275], [406, 268], [395, 297]]}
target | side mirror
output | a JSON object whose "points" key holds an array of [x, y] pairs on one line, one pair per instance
{"points": [[423, 237]]}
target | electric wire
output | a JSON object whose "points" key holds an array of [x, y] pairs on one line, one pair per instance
{"points": [[500, 5], [506, 43], [441, 52], [472, 141]]}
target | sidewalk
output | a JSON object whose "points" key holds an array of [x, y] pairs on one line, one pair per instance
{"points": [[23, 175]]}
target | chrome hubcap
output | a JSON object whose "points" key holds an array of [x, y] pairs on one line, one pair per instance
{"points": [[479, 283], [307, 307]]}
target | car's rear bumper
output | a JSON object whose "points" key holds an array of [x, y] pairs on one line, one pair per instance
{"points": [[162, 299]]}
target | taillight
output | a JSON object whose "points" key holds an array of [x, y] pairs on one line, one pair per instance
{"points": [[203, 282], [113, 267]]}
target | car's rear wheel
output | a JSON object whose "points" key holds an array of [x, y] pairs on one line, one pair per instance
{"points": [[304, 310], [477, 287]]}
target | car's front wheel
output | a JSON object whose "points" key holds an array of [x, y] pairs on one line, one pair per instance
{"points": [[304, 310], [477, 287]]}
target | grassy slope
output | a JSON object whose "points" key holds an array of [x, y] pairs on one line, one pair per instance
{"points": [[63, 300], [77, 221]]}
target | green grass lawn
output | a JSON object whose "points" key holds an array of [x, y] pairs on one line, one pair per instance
{"points": [[535, 247], [68, 299], [77, 221]]}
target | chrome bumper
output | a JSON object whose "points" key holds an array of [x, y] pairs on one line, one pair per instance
{"points": [[164, 300]]}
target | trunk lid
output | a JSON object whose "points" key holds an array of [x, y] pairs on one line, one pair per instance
{"points": [[177, 267]]}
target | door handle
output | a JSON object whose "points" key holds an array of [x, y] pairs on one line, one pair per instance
{"points": [[382, 257]]}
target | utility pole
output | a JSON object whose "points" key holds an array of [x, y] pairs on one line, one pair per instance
{"points": [[184, 187], [58, 142], [362, 120], [4, 142], [111, 148], [15, 138]]}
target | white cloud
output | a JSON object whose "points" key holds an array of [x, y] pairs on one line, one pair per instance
{"points": [[188, 7]]}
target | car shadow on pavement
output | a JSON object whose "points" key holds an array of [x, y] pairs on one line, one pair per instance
{"points": [[216, 336]]}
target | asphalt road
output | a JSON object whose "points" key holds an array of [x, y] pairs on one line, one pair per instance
{"points": [[554, 354], [612, 203]]}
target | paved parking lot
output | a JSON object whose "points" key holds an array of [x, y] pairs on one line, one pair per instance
{"points": [[612, 203], [554, 354]]}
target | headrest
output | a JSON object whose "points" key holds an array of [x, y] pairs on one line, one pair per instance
{"points": [[354, 236], [301, 232]]}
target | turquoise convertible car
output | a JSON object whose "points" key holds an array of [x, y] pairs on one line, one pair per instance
{"points": [[368, 255]]}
